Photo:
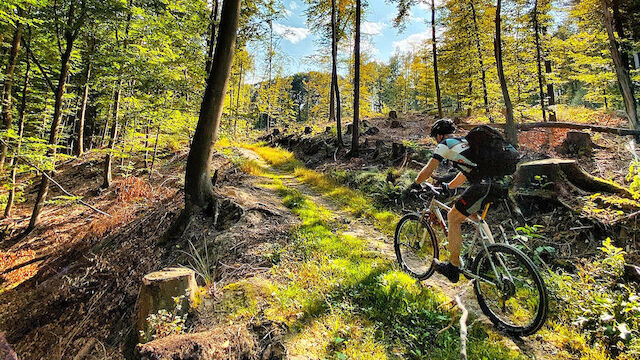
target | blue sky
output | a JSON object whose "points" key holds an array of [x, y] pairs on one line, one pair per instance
{"points": [[380, 38]]}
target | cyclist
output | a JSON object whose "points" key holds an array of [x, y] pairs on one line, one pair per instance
{"points": [[456, 150]]}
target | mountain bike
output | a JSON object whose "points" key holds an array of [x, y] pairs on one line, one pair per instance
{"points": [[509, 288]]}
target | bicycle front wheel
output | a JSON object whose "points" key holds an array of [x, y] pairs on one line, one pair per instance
{"points": [[416, 246], [510, 290]]}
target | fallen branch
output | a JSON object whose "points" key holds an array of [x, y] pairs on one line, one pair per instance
{"points": [[463, 328], [564, 125]]}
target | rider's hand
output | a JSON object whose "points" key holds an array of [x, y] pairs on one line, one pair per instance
{"points": [[415, 186], [445, 191]]}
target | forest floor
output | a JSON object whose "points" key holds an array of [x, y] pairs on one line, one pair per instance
{"points": [[312, 262]]}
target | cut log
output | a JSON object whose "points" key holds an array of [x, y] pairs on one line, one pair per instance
{"points": [[393, 114], [327, 129], [158, 290], [397, 151], [577, 143], [550, 173], [230, 342], [564, 125]]}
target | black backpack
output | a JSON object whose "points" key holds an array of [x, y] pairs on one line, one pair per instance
{"points": [[494, 156]]}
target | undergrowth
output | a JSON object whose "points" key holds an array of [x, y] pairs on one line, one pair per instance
{"points": [[338, 298]]}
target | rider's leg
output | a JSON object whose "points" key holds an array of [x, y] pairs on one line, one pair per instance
{"points": [[455, 219]]}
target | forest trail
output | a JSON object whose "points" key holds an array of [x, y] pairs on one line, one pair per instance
{"points": [[382, 244]]}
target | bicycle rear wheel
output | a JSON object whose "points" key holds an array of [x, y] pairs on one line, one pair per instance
{"points": [[416, 246], [513, 295]]}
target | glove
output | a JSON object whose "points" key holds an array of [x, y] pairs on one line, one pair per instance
{"points": [[445, 191], [415, 186]]}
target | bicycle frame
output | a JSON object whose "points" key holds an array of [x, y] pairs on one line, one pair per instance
{"points": [[483, 233]]}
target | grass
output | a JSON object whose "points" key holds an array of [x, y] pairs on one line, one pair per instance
{"points": [[339, 299]]}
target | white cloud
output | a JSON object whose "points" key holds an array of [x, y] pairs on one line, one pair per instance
{"points": [[287, 13], [372, 28], [293, 5], [293, 34], [412, 42], [369, 48]]}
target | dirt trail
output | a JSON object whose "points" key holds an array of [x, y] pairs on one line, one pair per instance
{"points": [[383, 245]]}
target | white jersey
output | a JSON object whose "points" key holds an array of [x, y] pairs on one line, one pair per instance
{"points": [[455, 150]]}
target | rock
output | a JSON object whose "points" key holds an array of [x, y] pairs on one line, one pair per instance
{"points": [[157, 293], [393, 114], [396, 124], [308, 130], [372, 131], [6, 352]]}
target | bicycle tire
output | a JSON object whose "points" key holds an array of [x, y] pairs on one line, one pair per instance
{"points": [[407, 262], [543, 304]]}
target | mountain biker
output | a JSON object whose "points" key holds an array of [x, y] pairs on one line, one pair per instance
{"points": [[456, 150]]}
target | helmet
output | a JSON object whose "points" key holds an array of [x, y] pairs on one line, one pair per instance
{"points": [[442, 127]]}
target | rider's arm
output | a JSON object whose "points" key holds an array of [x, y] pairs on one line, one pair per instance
{"points": [[426, 171], [457, 181]]}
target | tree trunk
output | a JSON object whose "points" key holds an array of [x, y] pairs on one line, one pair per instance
{"points": [[624, 80], [79, 148], [550, 92], [536, 29], [155, 153], [16, 153], [485, 94], [146, 144], [435, 58], [335, 86], [55, 124], [112, 139], [355, 137], [235, 121], [198, 187], [511, 132], [212, 39], [8, 85]]}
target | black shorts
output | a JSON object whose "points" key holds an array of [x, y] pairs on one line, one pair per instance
{"points": [[471, 200]]}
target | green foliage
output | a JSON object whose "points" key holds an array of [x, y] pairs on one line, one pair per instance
{"points": [[200, 262], [596, 303], [165, 323], [633, 177]]}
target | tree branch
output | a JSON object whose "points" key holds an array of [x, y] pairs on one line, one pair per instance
{"points": [[42, 71]]}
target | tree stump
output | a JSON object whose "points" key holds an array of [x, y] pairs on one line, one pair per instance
{"points": [[577, 143], [552, 173], [395, 124], [276, 132], [372, 131], [349, 129], [308, 130], [6, 352], [397, 150], [379, 149], [327, 129], [393, 115], [158, 290]]}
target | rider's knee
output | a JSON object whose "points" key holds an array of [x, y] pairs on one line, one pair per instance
{"points": [[455, 216]]}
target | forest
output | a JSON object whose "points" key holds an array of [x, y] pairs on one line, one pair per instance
{"points": [[236, 179]]}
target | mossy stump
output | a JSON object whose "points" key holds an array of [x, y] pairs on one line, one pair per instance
{"points": [[159, 290]]}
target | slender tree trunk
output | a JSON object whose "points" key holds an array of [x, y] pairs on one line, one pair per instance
{"points": [[355, 134], [155, 152], [624, 80], [16, 153], [146, 144], [212, 39], [79, 148], [619, 28], [536, 29], [235, 121], [510, 129], [198, 188], [550, 93], [8, 85], [112, 138], [335, 86], [485, 95], [435, 58], [55, 124], [268, 125]]}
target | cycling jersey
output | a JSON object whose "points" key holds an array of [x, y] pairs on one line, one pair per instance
{"points": [[457, 151]]}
